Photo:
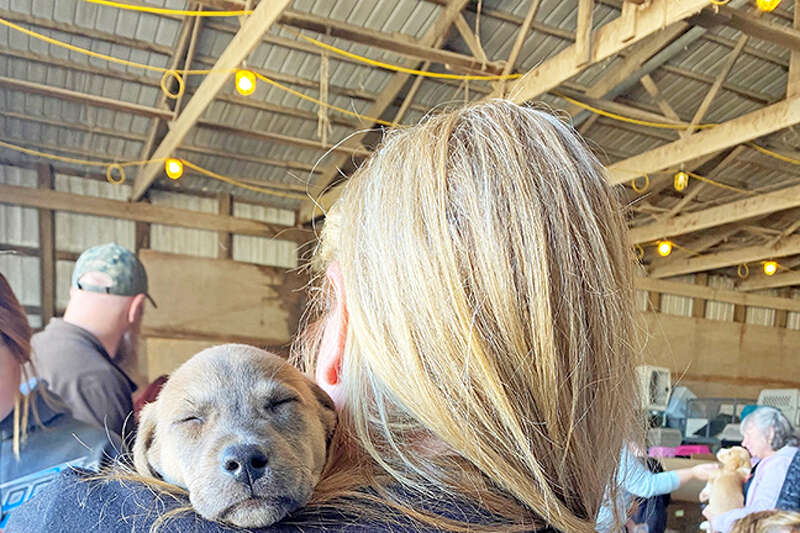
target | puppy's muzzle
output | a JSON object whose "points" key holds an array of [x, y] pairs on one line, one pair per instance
{"points": [[246, 463]]}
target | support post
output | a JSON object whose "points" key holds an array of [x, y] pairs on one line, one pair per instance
{"points": [[47, 244]]}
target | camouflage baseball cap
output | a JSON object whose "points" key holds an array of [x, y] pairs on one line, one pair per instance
{"points": [[125, 273]]}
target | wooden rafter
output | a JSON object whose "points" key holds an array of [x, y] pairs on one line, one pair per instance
{"points": [[748, 254], [759, 28], [470, 39], [710, 141], [583, 35], [438, 29], [793, 83], [145, 212], [650, 19], [759, 282], [720, 295], [237, 50], [522, 34]]}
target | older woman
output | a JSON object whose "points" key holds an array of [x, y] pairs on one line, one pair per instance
{"points": [[769, 438], [38, 437], [474, 328]]}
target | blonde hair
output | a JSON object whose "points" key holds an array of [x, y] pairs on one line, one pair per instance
{"points": [[488, 286], [768, 522], [15, 334]]}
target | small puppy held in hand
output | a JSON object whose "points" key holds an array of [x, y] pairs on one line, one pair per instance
{"points": [[243, 431], [724, 489]]}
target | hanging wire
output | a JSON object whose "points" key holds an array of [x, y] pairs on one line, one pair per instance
{"points": [[165, 11]]}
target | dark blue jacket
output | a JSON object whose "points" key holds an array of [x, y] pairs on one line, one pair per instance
{"points": [[73, 504], [60, 441]]}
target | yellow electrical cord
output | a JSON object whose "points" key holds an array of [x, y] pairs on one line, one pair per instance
{"points": [[238, 183], [621, 118], [776, 155], [120, 167], [164, 11], [98, 55], [714, 2], [718, 184], [644, 187], [397, 68], [323, 104]]}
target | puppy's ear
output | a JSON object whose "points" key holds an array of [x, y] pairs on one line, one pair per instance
{"points": [[144, 441], [327, 410]]}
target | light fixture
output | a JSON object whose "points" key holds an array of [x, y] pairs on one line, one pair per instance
{"points": [[767, 5], [770, 267], [245, 82], [174, 168], [681, 181], [664, 248]]}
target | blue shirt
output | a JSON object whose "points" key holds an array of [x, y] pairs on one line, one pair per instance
{"points": [[58, 443], [633, 479]]}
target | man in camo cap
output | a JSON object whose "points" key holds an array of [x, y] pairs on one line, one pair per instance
{"points": [[79, 355]]}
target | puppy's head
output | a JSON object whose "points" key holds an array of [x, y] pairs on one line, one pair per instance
{"points": [[734, 458], [242, 430]]}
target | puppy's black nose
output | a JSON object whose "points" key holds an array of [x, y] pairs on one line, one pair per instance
{"points": [[245, 462]]}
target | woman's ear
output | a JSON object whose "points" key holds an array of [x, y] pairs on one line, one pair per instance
{"points": [[334, 336]]}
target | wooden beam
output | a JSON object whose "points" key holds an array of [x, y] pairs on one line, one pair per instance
{"points": [[699, 304], [739, 313], [793, 83], [753, 206], [765, 30], [91, 99], [310, 209], [47, 245], [398, 43], [692, 290], [749, 254], [144, 212], [737, 131], [237, 50], [564, 65], [762, 281], [470, 39], [727, 65], [224, 238], [522, 34], [583, 35]]}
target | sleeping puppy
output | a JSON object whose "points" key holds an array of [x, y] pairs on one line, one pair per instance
{"points": [[242, 430]]}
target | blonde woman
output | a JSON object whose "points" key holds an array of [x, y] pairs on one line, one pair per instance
{"points": [[473, 324], [38, 436]]}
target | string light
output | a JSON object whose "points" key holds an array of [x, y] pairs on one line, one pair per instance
{"points": [[770, 267], [664, 248], [245, 82], [174, 168], [681, 181], [767, 5]]}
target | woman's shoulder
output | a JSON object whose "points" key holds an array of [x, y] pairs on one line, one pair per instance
{"points": [[80, 500]]}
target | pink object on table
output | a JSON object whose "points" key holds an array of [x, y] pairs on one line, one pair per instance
{"points": [[692, 449], [661, 451]]}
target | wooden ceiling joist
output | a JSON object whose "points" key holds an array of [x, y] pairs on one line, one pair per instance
{"points": [[145, 212], [749, 25], [310, 209], [253, 29], [99, 101], [770, 282], [709, 141], [718, 295], [750, 207], [607, 42], [748, 254]]}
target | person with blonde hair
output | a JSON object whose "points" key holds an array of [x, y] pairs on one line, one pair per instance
{"points": [[768, 522], [38, 436], [473, 323]]}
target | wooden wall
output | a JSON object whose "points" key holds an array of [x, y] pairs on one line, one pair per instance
{"points": [[720, 358], [203, 302]]}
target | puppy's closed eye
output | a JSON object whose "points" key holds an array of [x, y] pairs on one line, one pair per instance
{"points": [[190, 419], [275, 404]]}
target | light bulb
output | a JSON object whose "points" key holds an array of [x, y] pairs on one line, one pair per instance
{"points": [[174, 168], [664, 248], [767, 5], [681, 181], [770, 267], [245, 82]]}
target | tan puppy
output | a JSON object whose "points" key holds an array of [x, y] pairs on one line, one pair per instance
{"points": [[724, 489], [242, 430]]}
